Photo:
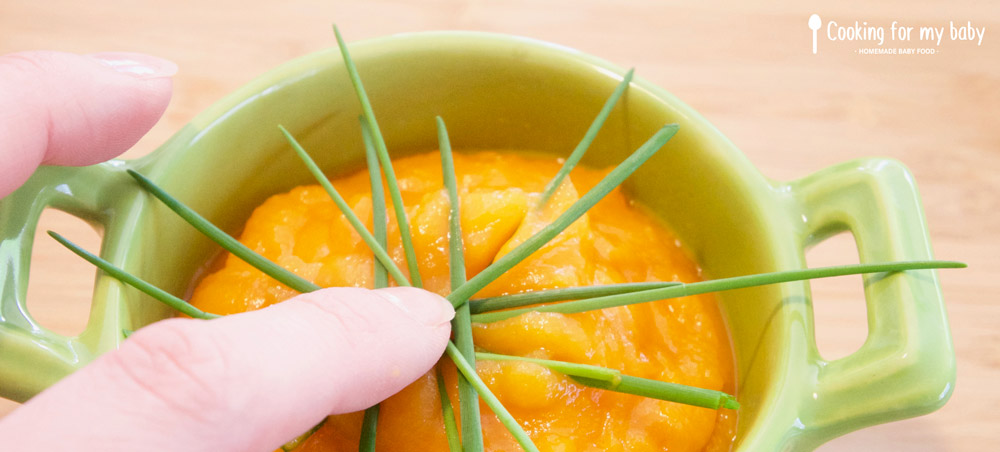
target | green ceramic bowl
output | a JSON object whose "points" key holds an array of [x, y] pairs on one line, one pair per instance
{"points": [[500, 92]]}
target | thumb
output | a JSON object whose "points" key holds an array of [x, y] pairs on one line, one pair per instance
{"points": [[244, 382], [66, 109]]}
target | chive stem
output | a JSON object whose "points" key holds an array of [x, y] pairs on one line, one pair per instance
{"points": [[295, 443], [369, 424], [134, 281], [383, 157], [369, 427], [491, 399], [717, 285], [661, 390], [588, 138], [472, 432], [447, 413], [573, 369], [225, 240], [378, 207], [613, 179], [456, 247], [479, 305], [352, 218]]}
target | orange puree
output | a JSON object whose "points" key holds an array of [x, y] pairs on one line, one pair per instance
{"points": [[681, 340]]}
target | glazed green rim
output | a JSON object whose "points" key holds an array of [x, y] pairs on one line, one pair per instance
{"points": [[875, 199]]}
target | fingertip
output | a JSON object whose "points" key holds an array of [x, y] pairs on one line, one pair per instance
{"points": [[421, 305], [68, 109], [116, 99], [352, 347], [388, 337], [137, 65]]}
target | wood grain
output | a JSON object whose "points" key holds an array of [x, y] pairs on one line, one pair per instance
{"points": [[747, 66]]}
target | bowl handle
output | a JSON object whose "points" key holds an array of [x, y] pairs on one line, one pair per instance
{"points": [[906, 367], [31, 356]]}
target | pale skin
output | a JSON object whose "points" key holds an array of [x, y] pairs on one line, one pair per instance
{"points": [[240, 383]]}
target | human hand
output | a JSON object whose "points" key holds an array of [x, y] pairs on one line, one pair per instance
{"points": [[244, 382]]}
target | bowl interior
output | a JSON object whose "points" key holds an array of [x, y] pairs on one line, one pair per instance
{"points": [[495, 93]]}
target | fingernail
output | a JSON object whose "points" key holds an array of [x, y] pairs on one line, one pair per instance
{"points": [[425, 307], [138, 65]]}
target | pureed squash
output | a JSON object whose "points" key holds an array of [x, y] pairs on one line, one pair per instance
{"points": [[682, 340]]}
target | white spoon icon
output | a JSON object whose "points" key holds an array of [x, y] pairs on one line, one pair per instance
{"points": [[814, 24]]}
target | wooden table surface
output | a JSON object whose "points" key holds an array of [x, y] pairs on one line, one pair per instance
{"points": [[747, 66]]}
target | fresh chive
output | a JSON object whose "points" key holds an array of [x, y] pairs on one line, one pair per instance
{"points": [[378, 206], [472, 431], [613, 380], [291, 445], [127, 332], [386, 163], [225, 240], [613, 179], [588, 138], [662, 390], [572, 369], [717, 285], [456, 248], [380, 254], [447, 413], [478, 305], [491, 399], [134, 281], [369, 425]]}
